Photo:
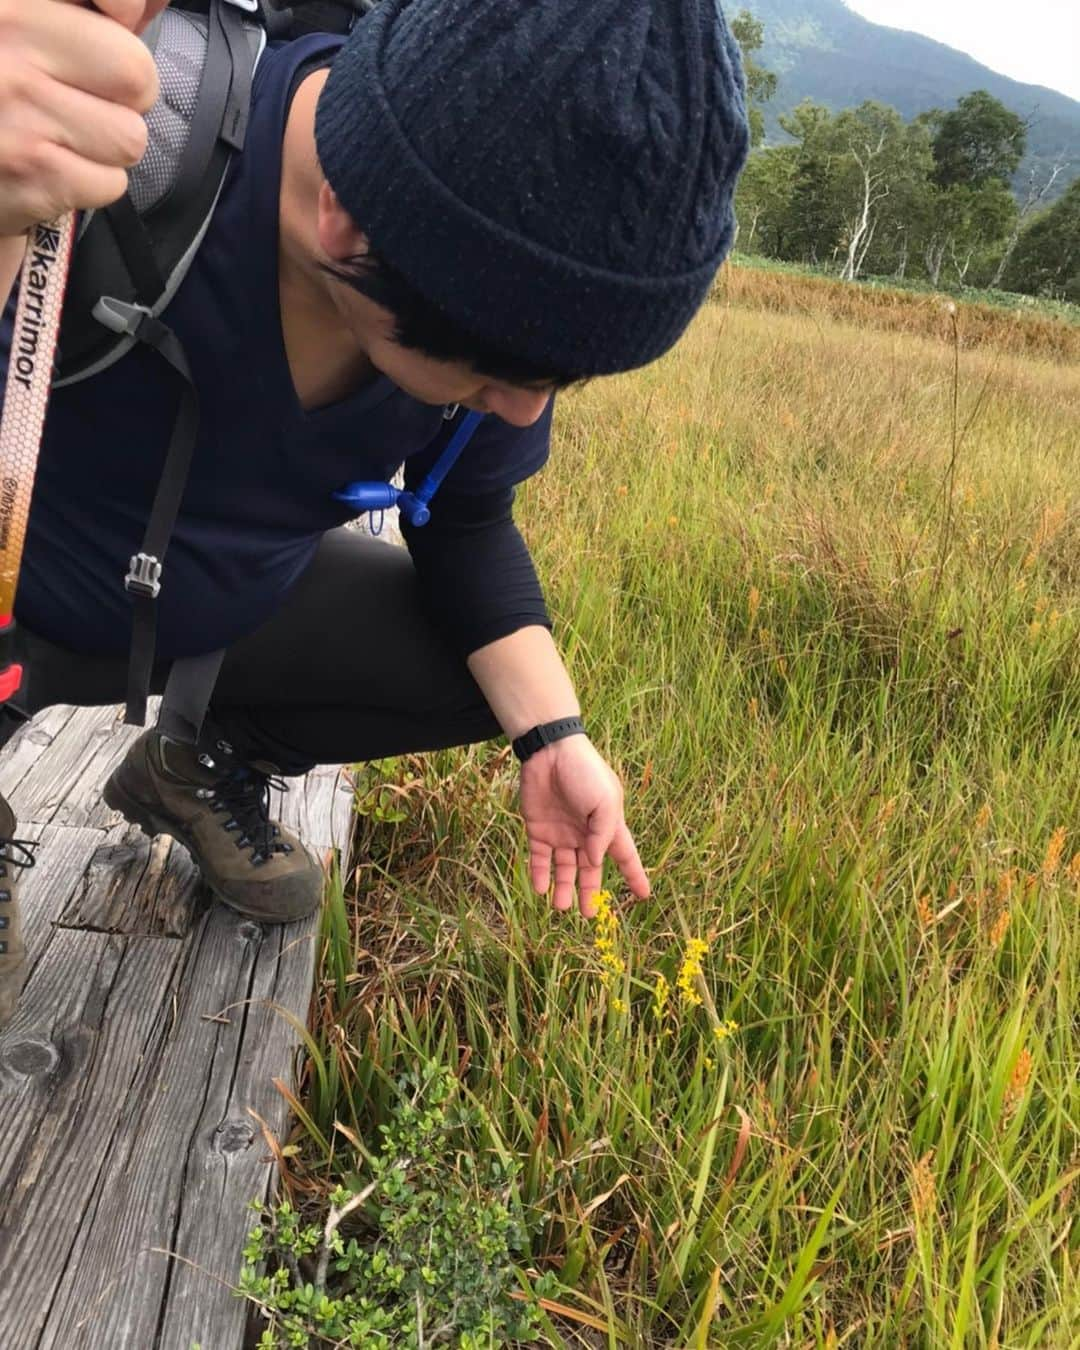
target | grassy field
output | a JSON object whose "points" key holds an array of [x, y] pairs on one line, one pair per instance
{"points": [[1017, 324], [1039, 305], [819, 587]]}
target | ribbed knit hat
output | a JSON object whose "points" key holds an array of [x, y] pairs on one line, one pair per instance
{"points": [[555, 175]]}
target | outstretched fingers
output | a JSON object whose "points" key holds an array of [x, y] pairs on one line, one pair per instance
{"points": [[623, 852], [541, 857], [566, 866]]}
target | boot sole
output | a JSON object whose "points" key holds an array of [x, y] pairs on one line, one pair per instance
{"points": [[135, 813]]}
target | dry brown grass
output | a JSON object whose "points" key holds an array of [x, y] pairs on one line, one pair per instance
{"points": [[927, 315]]}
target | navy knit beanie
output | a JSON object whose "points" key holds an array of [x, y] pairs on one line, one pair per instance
{"points": [[555, 175]]}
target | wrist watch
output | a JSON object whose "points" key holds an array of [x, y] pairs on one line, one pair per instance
{"points": [[544, 734]]}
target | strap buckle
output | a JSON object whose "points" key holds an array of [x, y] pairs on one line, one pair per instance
{"points": [[250, 6], [144, 576], [121, 317]]}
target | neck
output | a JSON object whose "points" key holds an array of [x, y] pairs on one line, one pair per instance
{"points": [[326, 356]]}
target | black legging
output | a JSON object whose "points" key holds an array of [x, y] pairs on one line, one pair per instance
{"points": [[349, 669]]}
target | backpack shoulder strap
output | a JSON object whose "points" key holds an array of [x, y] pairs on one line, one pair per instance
{"points": [[131, 259], [139, 249]]}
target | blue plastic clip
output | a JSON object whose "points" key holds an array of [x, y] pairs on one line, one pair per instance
{"points": [[412, 505]]}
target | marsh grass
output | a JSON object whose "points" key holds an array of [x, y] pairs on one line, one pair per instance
{"points": [[1020, 324], [833, 647]]}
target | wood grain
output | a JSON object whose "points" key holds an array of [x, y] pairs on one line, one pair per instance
{"points": [[151, 1027]]}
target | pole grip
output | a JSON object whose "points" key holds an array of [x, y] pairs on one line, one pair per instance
{"points": [[29, 381]]}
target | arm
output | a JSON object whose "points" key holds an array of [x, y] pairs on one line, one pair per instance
{"points": [[481, 590], [524, 680], [571, 800]]}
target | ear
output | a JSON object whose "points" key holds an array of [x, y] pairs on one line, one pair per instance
{"points": [[339, 235]]}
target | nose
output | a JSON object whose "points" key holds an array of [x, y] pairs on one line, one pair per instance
{"points": [[519, 407]]}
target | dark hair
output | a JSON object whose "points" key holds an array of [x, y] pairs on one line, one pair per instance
{"points": [[423, 327]]}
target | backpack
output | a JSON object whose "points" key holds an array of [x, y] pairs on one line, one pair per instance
{"points": [[131, 257], [138, 250]]}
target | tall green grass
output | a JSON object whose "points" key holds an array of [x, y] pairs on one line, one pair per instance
{"points": [[821, 600]]}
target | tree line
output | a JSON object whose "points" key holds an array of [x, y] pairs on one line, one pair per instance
{"points": [[864, 192]]}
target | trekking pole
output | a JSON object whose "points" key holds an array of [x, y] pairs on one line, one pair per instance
{"points": [[29, 379]]}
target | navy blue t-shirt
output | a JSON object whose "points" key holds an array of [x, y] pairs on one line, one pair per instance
{"points": [[260, 492]]}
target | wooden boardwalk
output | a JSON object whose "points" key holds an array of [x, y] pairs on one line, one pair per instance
{"points": [[150, 1030]]}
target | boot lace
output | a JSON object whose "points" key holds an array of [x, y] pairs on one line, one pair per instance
{"points": [[26, 847], [24, 857], [244, 797]]}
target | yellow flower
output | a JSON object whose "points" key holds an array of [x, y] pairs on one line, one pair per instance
{"points": [[690, 970], [661, 993], [619, 1005], [607, 927], [725, 1030]]}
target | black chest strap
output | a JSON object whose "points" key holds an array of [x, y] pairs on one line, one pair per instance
{"points": [[143, 580]]}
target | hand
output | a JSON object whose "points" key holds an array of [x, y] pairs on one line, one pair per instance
{"points": [[73, 83], [572, 803]]}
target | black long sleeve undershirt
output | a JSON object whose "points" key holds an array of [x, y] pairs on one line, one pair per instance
{"points": [[476, 574]]}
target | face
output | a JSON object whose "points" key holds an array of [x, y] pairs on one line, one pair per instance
{"points": [[441, 382], [422, 377]]}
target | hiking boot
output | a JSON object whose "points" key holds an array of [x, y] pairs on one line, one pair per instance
{"points": [[15, 854], [217, 806]]}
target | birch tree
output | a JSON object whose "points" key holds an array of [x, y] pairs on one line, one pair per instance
{"points": [[1034, 197]]}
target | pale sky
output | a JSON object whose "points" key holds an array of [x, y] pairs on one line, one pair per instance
{"points": [[1037, 41]]}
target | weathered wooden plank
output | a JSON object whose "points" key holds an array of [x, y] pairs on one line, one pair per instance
{"points": [[64, 785], [319, 808], [151, 1021], [134, 885], [28, 744], [186, 1155], [87, 1021], [45, 890], [229, 1163]]}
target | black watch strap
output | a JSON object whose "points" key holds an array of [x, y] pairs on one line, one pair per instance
{"points": [[544, 734]]}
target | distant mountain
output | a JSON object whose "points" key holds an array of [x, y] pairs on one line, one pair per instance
{"points": [[822, 50]]}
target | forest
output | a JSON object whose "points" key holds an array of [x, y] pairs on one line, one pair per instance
{"points": [[864, 192]]}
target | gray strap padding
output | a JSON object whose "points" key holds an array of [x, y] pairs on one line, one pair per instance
{"points": [[187, 696]]}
